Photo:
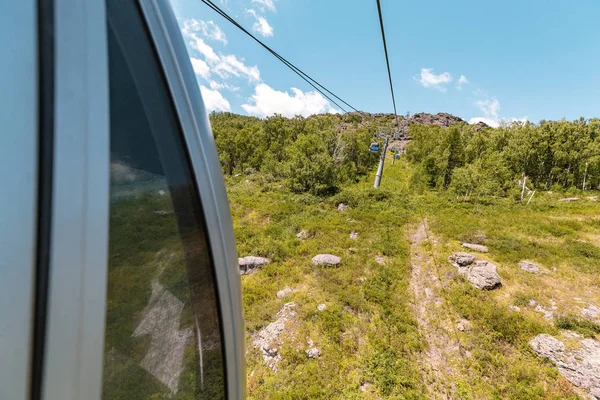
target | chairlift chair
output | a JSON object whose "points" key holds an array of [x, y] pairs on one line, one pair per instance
{"points": [[374, 148]]}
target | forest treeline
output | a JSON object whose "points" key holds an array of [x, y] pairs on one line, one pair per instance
{"points": [[311, 154], [319, 153], [476, 162]]}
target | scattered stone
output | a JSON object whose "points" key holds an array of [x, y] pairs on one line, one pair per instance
{"points": [[342, 207], [352, 250], [321, 307], [267, 338], [365, 387], [532, 303], [353, 235], [428, 292], [579, 366], [284, 292], [531, 267], [461, 259], [569, 199], [361, 279], [161, 192], [380, 260], [514, 308], [482, 275], [250, 264], [477, 247], [326, 259], [236, 175], [312, 351], [463, 325], [591, 312], [302, 235], [593, 198]]}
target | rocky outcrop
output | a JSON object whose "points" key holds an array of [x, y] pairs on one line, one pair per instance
{"points": [[461, 259], [480, 273], [267, 339], [476, 247], [250, 264], [326, 259], [531, 267], [580, 366]]}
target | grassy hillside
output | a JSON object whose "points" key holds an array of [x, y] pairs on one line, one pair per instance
{"points": [[377, 337]]}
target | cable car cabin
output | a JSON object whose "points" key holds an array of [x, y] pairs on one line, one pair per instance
{"points": [[374, 148], [116, 184]]}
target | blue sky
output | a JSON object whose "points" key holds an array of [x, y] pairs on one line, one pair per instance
{"points": [[530, 59]]}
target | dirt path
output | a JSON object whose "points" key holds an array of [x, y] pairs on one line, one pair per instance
{"points": [[438, 362]]}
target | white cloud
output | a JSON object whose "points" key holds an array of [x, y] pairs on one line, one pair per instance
{"points": [[209, 29], [198, 44], [214, 100], [219, 85], [231, 65], [430, 80], [200, 67], [490, 107], [489, 121], [267, 101], [266, 4], [224, 65], [462, 81], [261, 25]]}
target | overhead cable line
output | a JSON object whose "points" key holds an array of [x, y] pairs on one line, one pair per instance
{"points": [[316, 85], [387, 60]]}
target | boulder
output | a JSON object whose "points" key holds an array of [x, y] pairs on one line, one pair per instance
{"points": [[579, 365], [477, 247], [250, 264], [342, 207], [321, 307], [326, 259], [531, 267], [353, 235], [461, 259], [482, 275]]}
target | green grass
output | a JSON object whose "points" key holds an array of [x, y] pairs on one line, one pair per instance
{"points": [[368, 334]]}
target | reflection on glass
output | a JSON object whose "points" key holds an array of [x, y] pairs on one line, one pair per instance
{"points": [[163, 336]]}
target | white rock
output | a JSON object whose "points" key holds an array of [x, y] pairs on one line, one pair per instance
{"points": [[461, 259], [482, 275], [250, 264], [580, 366], [302, 235], [591, 312], [313, 352], [477, 247], [342, 207], [326, 259], [267, 338], [284, 292], [321, 307], [514, 308], [353, 235]]}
